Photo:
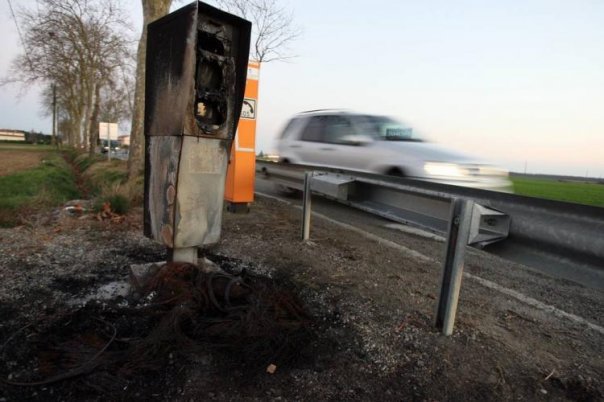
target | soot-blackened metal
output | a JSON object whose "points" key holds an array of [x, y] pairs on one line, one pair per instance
{"points": [[195, 78]]}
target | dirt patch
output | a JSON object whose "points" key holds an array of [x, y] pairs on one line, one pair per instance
{"points": [[364, 329], [12, 161]]}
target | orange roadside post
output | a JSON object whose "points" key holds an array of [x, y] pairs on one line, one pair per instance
{"points": [[239, 189]]}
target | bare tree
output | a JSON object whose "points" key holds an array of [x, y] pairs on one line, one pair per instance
{"points": [[80, 46], [273, 28], [117, 98], [152, 10]]}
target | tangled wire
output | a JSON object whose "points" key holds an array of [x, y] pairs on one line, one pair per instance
{"points": [[243, 313], [185, 311]]}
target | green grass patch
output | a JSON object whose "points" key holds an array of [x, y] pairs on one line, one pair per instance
{"points": [[47, 185], [63, 176], [83, 161], [103, 176], [108, 182], [577, 192]]}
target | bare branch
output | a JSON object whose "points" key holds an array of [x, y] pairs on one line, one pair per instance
{"points": [[273, 28]]}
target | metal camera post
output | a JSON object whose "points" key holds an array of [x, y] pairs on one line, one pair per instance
{"points": [[196, 67]]}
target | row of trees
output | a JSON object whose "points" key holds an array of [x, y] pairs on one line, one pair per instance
{"points": [[82, 47], [85, 48]]}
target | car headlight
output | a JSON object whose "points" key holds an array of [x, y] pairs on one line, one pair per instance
{"points": [[445, 169]]}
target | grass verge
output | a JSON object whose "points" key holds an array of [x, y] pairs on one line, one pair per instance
{"points": [[109, 183], [65, 176], [577, 192], [47, 185]]}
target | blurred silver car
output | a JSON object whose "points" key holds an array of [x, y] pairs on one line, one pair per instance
{"points": [[382, 145]]}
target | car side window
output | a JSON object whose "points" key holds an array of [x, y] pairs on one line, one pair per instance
{"points": [[330, 129], [292, 128], [313, 130], [335, 128]]}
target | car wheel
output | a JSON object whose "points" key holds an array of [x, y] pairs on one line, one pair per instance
{"points": [[396, 172]]}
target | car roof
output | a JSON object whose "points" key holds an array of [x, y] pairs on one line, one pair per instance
{"points": [[325, 111]]}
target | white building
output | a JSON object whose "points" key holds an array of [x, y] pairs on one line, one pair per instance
{"points": [[12, 135]]}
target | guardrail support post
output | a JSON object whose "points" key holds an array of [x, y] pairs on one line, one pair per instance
{"points": [[306, 205], [457, 240]]}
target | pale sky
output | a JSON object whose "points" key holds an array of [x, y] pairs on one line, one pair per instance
{"points": [[511, 81]]}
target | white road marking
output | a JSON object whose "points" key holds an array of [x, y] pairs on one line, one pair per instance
{"points": [[484, 282], [534, 302], [415, 231], [272, 197]]}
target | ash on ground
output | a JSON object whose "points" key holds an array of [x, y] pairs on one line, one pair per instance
{"points": [[268, 317]]}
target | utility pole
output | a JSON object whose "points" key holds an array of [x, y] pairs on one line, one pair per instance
{"points": [[54, 115]]}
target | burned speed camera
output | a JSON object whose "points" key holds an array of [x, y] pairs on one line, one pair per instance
{"points": [[195, 79]]}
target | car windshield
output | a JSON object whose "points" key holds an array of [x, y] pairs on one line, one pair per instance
{"points": [[385, 128]]}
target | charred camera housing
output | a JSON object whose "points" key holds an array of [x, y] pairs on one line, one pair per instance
{"points": [[215, 74]]}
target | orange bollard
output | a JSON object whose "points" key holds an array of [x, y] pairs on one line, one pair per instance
{"points": [[239, 189]]}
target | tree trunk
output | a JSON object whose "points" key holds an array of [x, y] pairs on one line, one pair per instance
{"points": [[93, 135], [74, 123], [80, 115], [86, 122], [54, 115], [152, 10], [77, 127], [89, 85]]}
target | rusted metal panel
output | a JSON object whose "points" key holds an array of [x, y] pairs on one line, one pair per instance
{"points": [[160, 188], [196, 69]]}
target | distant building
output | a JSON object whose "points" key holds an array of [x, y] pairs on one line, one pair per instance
{"points": [[124, 140], [12, 135]]}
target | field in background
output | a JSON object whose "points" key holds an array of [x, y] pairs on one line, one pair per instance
{"points": [[560, 190], [17, 157]]}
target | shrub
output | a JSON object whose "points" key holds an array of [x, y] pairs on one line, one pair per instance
{"points": [[119, 203], [102, 176], [111, 185]]}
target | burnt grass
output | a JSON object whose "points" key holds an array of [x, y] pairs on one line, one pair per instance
{"points": [[332, 328], [57, 357]]}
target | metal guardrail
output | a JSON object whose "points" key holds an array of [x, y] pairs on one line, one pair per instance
{"points": [[556, 238], [462, 222]]}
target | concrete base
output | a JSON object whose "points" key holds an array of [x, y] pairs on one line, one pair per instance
{"points": [[141, 273], [187, 254]]}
